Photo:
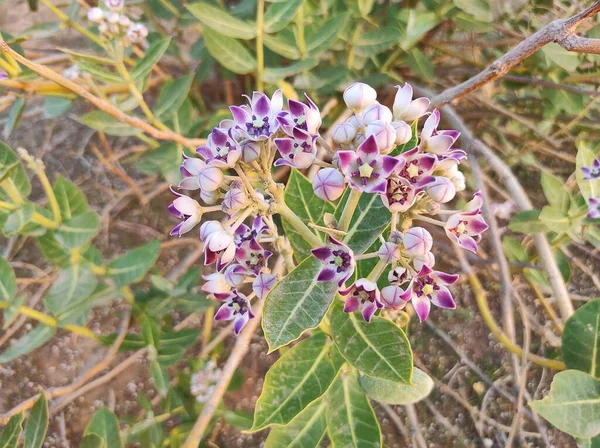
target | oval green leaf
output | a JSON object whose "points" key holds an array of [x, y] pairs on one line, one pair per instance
{"points": [[279, 15], [390, 392], [78, 230], [72, 287], [581, 339], [296, 379], [11, 432], [379, 349], [221, 21], [105, 425], [37, 423], [230, 52], [25, 344], [8, 281], [305, 431], [134, 264]]}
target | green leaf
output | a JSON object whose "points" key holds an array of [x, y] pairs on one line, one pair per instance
{"points": [[305, 431], [160, 378], [72, 288], [14, 115], [25, 344], [299, 196], [92, 441], [151, 331], [53, 251], [555, 191], [282, 45], [581, 339], [18, 218], [272, 75], [279, 15], [377, 41], [172, 95], [420, 64], [351, 421], [573, 404], [419, 24], [379, 349], [11, 432], [8, 281], [585, 157], [12, 169], [563, 265], [296, 304], [365, 7], [555, 219], [99, 72], [480, 9], [54, 107], [565, 59], [12, 312], [71, 199], [369, 220], [325, 36], [219, 20], [414, 139], [296, 379], [101, 121], [514, 250], [389, 392], [79, 230], [133, 265], [144, 66], [77, 56], [37, 423], [181, 338], [230, 52], [104, 423], [527, 221]]}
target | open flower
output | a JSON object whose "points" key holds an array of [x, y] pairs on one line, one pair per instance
{"points": [[465, 228], [258, 120], [252, 256], [366, 170], [416, 167], [236, 307], [364, 295], [187, 209], [407, 109], [198, 174], [328, 184], [262, 284], [432, 140], [299, 151], [338, 262], [244, 233], [221, 149], [429, 287], [400, 195], [591, 172], [215, 283], [219, 244], [299, 115], [137, 33], [593, 208]]}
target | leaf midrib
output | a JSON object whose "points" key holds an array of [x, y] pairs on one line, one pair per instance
{"points": [[309, 423]]}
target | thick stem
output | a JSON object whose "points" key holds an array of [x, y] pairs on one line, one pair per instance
{"points": [[298, 224], [349, 209], [260, 51]]}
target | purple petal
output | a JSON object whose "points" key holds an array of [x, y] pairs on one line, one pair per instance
{"points": [[326, 275], [225, 312], [468, 243], [389, 164], [443, 299], [240, 322], [296, 107], [368, 311], [345, 158], [422, 307], [351, 304], [368, 148], [262, 106], [284, 145], [239, 115], [447, 279]]}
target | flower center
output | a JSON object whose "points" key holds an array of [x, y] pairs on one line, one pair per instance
{"points": [[365, 170]]}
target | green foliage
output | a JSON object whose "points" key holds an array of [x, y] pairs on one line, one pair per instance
{"points": [[391, 392], [101, 121], [379, 349], [37, 423], [27, 343], [285, 315], [72, 287], [9, 437], [8, 281], [105, 425], [222, 22], [133, 265], [296, 379], [581, 339], [230, 53], [306, 430], [79, 230]]}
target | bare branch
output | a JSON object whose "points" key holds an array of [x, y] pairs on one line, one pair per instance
{"points": [[560, 31]]}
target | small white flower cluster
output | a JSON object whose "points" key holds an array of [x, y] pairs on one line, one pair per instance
{"points": [[113, 24], [203, 382]]}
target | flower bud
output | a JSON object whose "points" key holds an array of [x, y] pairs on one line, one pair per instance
{"points": [[358, 96], [250, 151], [397, 276], [403, 132], [215, 283], [208, 228], [234, 199], [137, 33], [425, 260], [112, 18], [95, 15], [235, 274], [329, 184], [384, 134], [124, 21], [356, 122], [102, 27], [114, 5], [441, 190], [417, 241], [391, 297], [210, 178], [262, 284], [459, 181], [389, 252], [209, 197], [359, 140], [376, 112], [344, 133]]}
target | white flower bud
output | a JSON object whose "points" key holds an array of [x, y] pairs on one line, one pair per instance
{"points": [[403, 132], [376, 112], [124, 21], [112, 18], [356, 122], [384, 134], [210, 178], [344, 133], [425, 260], [389, 252], [417, 241], [441, 190], [95, 15], [391, 297], [459, 181], [358, 96], [209, 197], [215, 283], [328, 184]]}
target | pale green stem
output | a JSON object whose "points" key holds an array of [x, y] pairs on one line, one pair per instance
{"points": [[435, 222], [260, 51], [377, 270], [298, 224], [349, 209]]}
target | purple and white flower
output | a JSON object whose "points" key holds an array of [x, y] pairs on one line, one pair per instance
{"points": [[389, 252], [359, 95], [252, 256], [417, 241], [244, 233], [407, 109], [376, 112], [398, 276], [221, 150], [219, 244], [258, 121], [432, 140], [235, 198], [400, 195], [198, 174], [262, 284], [338, 262], [235, 274], [328, 184], [215, 283], [416, 167], [236, 307], [298, 152], [366, 169], [429, 287], [299, 115], [593, 208], [391, 296], [465, 228], [364, 295], [187, 209], [591, 172], [137, 33]]}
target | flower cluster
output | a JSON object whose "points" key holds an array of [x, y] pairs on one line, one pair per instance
{"points": [[592, 173], [373, 155], [413, 180], [113, 24], [203, 382]]}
